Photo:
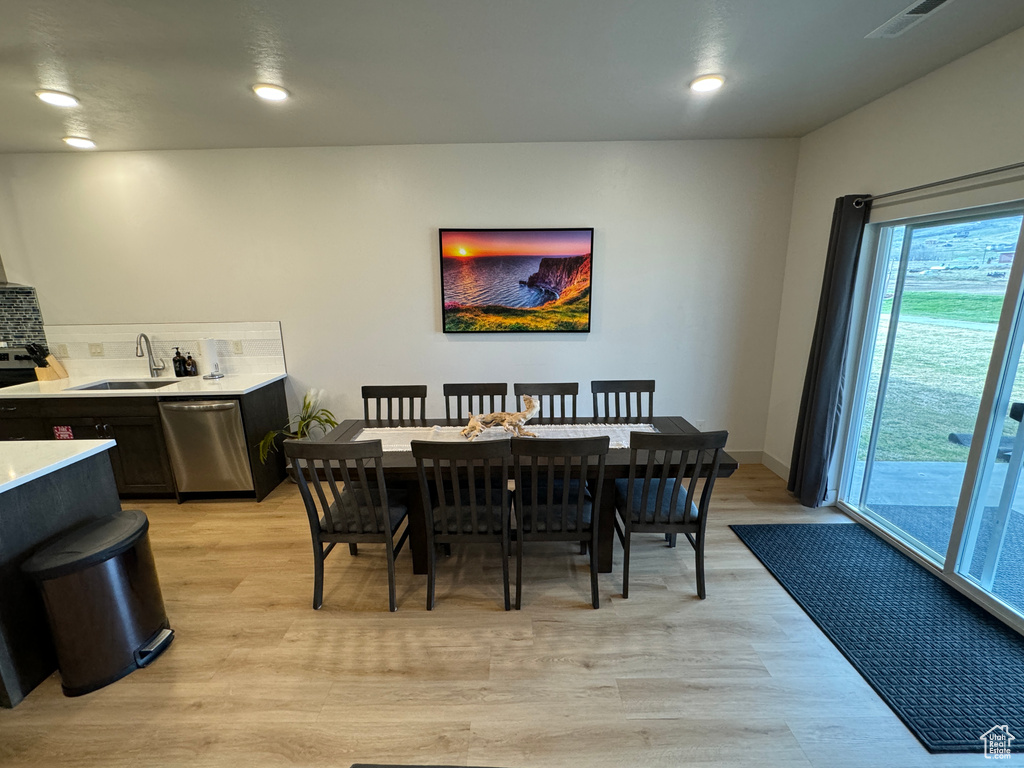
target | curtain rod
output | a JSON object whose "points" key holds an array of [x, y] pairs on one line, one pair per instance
{"points": [[861, 200]]}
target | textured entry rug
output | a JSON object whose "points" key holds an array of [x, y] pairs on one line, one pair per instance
{"points": [[950, 671]]}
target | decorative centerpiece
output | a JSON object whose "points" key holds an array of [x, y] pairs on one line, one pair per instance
{"points": [[510, 422], [310, 421]]}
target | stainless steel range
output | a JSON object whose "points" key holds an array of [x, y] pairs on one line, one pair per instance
{"points": [[16, 366]]}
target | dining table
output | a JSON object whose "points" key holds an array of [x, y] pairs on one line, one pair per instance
{"points": [[400, 468]]}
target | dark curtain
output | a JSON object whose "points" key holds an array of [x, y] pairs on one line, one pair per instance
{"points": [[822, 398]]}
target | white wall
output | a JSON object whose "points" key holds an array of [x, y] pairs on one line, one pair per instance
{"points": [[965, 117], [340, 244]]}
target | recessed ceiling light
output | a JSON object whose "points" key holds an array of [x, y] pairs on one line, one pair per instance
{"points": [[57, 98], [270, 92], [707, 83], [80, 142]]}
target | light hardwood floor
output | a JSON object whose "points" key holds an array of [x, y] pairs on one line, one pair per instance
{"points": [[255, 677]]}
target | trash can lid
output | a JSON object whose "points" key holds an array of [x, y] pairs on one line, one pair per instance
{"points": [[92, 543]]}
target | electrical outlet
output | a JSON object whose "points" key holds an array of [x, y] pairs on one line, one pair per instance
{"points": [[96, 350], [61, 350], [236, 347]]}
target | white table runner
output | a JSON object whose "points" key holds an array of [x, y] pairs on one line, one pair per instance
{"points": [[398, 439]]}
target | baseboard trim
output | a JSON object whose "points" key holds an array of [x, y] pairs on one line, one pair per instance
{"points": [[776, 466], [746, 457]]}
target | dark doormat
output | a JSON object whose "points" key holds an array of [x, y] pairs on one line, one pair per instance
{"points": [[951, 672]]}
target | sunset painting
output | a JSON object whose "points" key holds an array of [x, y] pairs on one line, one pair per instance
{"points": [[516, 279]]}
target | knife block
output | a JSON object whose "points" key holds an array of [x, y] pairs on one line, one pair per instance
{"points": [[52, 372]]}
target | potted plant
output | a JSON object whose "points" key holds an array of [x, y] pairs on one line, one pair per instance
{"points": [[311, 421]]}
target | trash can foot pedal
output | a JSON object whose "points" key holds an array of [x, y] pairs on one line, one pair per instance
{"points": [[156, 645]]}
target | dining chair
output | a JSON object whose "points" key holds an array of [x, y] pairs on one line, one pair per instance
{"points": [[475, 395], [628, 393], [658, 497], [547, 394], [552, 500], [464, 487], [354, 511], [405, 396]]}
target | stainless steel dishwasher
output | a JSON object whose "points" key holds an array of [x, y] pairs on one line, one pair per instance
{"points": [[206, 444]]}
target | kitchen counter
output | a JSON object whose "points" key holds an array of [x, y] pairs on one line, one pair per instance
{"points": [[26, 460], [134, 418], [192, 386]]}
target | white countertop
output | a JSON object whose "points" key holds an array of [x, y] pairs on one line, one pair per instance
{"points": [[191, 386], [24, 460]]}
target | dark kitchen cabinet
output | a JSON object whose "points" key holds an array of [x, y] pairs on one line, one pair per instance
{"points": [[139, 459], [21, 421]]}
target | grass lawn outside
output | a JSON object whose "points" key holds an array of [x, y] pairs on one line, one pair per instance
{"points": [[944, 305], [936, 379]]}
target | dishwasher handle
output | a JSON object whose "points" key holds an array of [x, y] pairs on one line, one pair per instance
{"points": [[213, 406]]}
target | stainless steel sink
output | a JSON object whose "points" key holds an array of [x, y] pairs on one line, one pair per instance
{"points": [[141, 384]]}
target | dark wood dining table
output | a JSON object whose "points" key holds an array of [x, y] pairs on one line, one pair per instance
{"points": [[400, 473]]}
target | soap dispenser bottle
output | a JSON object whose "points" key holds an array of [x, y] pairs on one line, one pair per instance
{"points": [[178, 361], [190, 366]]}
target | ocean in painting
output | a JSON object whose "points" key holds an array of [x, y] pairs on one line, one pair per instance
{"points": [[492, 280]]}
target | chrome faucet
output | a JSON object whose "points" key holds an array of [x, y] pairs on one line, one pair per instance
{"points": [[154, 369]]}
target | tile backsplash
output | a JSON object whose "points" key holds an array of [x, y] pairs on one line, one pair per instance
{"points": [[109, 350], [21, 322]]}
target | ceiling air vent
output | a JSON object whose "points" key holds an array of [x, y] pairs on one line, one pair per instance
{"points": [[908, 18]]}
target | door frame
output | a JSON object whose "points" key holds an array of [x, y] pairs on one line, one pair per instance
{"points": [[858, 366]]}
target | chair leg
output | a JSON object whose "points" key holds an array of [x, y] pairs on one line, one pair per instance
{"points": [[431, 571], [583, 547], [595, 595], [625, 564], [519, 573], [504, 571], [318, 576], [353, 549], [671, 538], [392, 594], [700, 566]]}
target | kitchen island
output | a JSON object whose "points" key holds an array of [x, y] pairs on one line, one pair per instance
{"points": [[46, 488]]}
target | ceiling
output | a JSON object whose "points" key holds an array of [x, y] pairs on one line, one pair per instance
{"points": [[176, 74]]}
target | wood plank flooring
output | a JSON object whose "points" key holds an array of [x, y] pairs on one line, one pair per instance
{"points": [[256, 678]]}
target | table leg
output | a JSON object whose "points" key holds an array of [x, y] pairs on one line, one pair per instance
{"points": [[417, 527], [606, 527]]}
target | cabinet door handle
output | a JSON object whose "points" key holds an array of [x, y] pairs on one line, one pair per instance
{"points": [[97, 428], [8, 408]]}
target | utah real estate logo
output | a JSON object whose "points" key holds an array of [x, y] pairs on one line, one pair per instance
{"points": [[997, 742]]}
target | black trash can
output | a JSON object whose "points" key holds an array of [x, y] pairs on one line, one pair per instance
{"points": [[103, 601]]}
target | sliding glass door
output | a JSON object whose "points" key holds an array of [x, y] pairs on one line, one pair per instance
{"points": [[936, 346], [992, 553]]}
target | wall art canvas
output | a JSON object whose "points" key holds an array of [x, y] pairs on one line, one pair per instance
{"points": [[516, 280]]}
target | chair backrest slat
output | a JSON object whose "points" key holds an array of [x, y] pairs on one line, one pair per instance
{"points": [[385, 398], [688, 460], [623, 398], [549, 395], [539, 461], [319, 466], [465, 485], [474, 396]]}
